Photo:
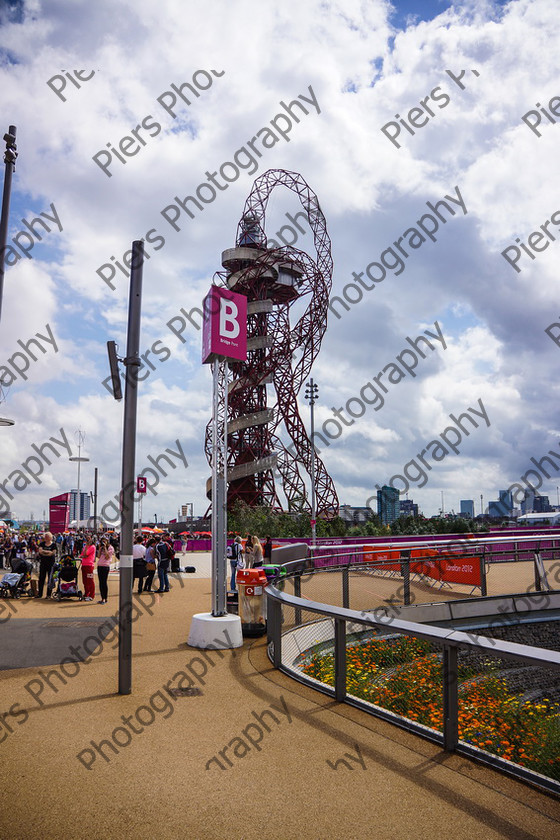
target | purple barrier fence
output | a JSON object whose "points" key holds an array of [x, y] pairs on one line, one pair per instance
{"points": [[546, 540]]}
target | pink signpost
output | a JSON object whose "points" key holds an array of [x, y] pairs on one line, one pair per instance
{"points": [[224, 339], [224, 333]]}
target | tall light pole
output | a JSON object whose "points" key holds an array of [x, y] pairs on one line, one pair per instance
{"points": [[80, 438], [10, 156], [311, 394]]}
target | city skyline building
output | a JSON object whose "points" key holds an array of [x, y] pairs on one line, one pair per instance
{"points": [[83, 512], [388, 504], [408, 508], [467, 508], [506, 500]]}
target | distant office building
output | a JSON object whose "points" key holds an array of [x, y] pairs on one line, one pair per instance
{"points": [[82, 513], [527, 503], [408, 508], [355, 515], [388, 505], [497, 510], [467, 508], [506, 501], [541, 504]]}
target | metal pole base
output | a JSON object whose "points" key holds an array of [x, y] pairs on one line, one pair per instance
{"points": [[218, 632]]}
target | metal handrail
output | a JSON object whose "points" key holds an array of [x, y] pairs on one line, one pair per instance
{"points": [[450, 642], [431, 633]]}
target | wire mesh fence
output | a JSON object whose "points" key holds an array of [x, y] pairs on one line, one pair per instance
{"points": [[482, 696]]}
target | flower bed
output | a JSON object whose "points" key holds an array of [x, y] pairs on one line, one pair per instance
{"points": [[403, 676]]}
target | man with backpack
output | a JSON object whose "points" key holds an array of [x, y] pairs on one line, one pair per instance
{"points": [[236, 561]]}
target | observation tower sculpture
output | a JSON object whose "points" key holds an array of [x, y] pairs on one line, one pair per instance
{"points": [[280, 354]]}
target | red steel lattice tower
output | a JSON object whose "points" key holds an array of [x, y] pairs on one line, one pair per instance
{"points": [[280, 354]]}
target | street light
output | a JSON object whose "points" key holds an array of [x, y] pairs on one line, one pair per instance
{"points": [[311, 394], [80, 437]]}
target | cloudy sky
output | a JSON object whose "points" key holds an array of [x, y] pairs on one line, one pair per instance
{"points": [[418, 101]]}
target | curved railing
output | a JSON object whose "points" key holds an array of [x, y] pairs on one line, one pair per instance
{"points": [[486, 698]]}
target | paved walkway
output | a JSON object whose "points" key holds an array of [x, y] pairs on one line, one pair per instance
{"points": [[151, 767]]}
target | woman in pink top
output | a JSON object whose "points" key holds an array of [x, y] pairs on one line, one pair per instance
{"points": [[104, 560], [88, 563]]}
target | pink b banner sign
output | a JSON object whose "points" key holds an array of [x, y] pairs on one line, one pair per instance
{"points": [[224, 334]]}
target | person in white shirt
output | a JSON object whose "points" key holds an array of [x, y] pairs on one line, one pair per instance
{"points": [[138, 563]]}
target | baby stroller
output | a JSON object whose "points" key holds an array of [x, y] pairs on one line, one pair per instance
{"points": [[16, 583], [67, 580]]}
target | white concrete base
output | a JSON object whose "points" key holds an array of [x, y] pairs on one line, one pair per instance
{"points": [[212, 631]]}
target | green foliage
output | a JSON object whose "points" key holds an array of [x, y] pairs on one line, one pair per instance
{"points": [[264, 521]]}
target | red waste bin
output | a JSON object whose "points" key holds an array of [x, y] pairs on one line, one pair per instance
{"points": [[252, 601]]}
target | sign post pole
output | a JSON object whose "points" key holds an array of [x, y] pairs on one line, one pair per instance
{"points": [[224, 337], [141, 487]]}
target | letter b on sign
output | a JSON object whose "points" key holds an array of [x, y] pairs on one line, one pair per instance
{"points": [[224, 334], [229, 325]]}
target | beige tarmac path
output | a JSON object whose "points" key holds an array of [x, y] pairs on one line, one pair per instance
{"points": [[167, 782]]}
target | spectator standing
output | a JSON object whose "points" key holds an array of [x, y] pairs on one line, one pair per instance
{"points": [[267, 550], [20, 547], [139, 563], [162, 551], [46, 553], [257, 553], [150, 564], [104, 559], [88, 564], [249, 552], [114, 541], [236, 560]]}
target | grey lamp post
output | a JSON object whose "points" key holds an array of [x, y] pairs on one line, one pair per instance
{"points": [[311, 394], [10, 156]]}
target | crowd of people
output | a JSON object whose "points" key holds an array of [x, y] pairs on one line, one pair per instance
{"points": [[94, 552], [151, 555]]}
